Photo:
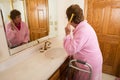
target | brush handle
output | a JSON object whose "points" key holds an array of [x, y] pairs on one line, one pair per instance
{"points": [[71, 18]]}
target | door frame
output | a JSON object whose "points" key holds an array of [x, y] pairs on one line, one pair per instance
{"points": [[85, 8]]}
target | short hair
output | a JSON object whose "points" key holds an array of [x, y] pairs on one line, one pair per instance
{"points": [[77, 11], [14, 13]]}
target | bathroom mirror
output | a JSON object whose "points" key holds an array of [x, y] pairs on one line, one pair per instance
{"points": [[8, 5], [15, 36]]}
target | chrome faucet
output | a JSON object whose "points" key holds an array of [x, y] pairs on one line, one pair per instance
{"points": [[47, 45]]}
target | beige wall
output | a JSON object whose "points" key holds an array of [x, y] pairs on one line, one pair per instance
{"points": [[62, 19], [52, 17], [4, 53]]}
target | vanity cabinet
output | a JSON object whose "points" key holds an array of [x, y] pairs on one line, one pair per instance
{"points": [[55, 76], [60, 73]]}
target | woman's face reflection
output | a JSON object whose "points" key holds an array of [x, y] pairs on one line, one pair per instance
{"points": [[17, 19]]}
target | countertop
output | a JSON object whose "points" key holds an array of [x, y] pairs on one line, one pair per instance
{"points": [[38, 66]]}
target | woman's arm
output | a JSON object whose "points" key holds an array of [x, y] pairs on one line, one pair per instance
{"points": [[75, 44], [10, 33]]}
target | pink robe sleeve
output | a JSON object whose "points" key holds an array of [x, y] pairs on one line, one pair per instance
{"points": [[75, 44], [27, 36], [10, 34]]}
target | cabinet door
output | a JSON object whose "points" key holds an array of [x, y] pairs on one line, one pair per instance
{"points": [[104, 16], [37, 11], [61, 73], [55, 76]]}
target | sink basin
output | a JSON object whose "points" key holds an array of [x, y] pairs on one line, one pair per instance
{"points": [[55, 53]]}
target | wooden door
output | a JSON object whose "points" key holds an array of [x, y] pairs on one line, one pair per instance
{"points": [[37, 12], [104, 16]]}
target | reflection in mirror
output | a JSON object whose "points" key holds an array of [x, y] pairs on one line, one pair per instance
{"points": [[21, 8], [6, 8], [38, 18], [35, 14], [17, 31]]}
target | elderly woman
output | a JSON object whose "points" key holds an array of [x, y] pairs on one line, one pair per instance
{"points": [[17, 31], [83, 45]]}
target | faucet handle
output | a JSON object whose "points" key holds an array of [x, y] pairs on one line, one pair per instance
{"points": [[41, 49], [47, 45]]}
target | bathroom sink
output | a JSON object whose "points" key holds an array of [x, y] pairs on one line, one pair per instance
{"points": [[55, 53]]}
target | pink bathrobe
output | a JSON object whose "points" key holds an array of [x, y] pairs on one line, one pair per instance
{"points": [[17, 37], [84, 46]]}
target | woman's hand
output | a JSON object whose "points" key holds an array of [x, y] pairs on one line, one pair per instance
{"points": [[12, 25], [67, 29]]}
